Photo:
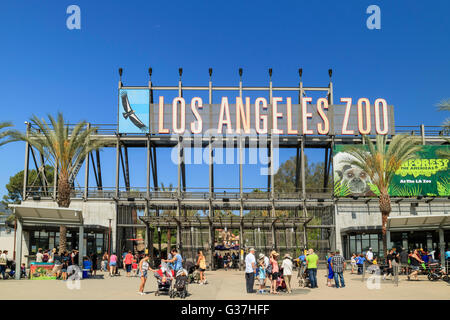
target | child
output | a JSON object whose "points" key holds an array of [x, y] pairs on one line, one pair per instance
{"points": [[23, 271], [134, 268], [360, 263], [262, 276], [353, 262]]}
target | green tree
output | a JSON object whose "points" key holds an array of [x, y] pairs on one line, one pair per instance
{"points": [[380, 161], [15, 184], [65, 148]]}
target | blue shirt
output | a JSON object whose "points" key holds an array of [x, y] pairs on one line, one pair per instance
{"points": [[178, 262], [360, 260], [262, 273], [447, 254]]}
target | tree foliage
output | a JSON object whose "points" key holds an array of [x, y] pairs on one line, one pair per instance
{"points": [[5, 135], [15, 184], [380, 161]]}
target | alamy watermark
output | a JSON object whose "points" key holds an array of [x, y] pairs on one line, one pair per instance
{"points": [[74, 20], [374, 20], [262, 150]]}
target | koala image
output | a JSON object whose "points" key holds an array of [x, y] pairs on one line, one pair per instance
{"points": [[356, 179]]}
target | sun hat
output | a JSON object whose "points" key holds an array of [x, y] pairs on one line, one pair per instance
{"points": [[251, 249], [274, 253], [287, 255], [261, 256]]}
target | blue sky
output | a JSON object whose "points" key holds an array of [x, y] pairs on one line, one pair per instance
{"points": [[46, 68]]}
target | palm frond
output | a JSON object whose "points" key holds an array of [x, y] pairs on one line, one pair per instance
{"points": [[381, 160]]}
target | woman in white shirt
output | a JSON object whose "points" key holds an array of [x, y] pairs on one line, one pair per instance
{"points": [[287, 271]]}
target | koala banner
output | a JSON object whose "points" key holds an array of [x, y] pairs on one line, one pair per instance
{"points": [[428, 175]]}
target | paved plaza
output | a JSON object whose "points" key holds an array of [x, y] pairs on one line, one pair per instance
{"points": [[223, 285]]}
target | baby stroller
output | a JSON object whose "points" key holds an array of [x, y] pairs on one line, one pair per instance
{"points": [[436, 272], [281, 284], [179, 288], [192, 273], [164, 278], [303, 278]]}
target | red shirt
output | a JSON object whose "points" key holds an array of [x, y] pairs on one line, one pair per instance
{"points": [[128, 258]]}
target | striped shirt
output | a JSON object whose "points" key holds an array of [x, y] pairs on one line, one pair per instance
{"points": [[338, 263]]}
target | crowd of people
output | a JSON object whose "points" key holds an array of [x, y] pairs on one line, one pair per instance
{"points": [[408, 262], [269, 269]]}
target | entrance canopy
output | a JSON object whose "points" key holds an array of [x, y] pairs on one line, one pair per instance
{"points": [[429, 221], [29, 215], [48, 215]]}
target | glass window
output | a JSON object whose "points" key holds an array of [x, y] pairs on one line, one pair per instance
{"points": [[352, 245], [99, 235]]}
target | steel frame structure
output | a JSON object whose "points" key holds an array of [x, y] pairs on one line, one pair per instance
{"points": [[152, 198]]}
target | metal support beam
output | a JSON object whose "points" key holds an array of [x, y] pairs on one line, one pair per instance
{"points": [[81, 246], [86, 173], [26, 166], [149, 151], [99, 170], [94, 169], [117, 166], [19, 228], [442, 246], [127, 169], [44, 177]]}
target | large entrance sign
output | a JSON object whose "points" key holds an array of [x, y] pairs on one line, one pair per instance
{"points": [[427, 175], [257, 116]]}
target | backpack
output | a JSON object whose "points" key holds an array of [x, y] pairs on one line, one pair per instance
{"points": [[269, 268], [45, 258]]}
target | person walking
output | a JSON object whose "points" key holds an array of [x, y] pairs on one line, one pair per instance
{"points": [[416, 261], [112, 264], [404, 255], [312, 262], [389, 264], [201, 263], [105, 259], [338, 266], [275, 271], [144, 267], [287, 267], [250, 270], [94, 258], [353, 262], [127, 262]]}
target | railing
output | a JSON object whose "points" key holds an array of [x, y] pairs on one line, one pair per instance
{"points": [[140, 193], [430, 131]]}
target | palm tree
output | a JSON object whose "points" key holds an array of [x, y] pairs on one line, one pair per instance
{"points": [[4, 134], [65, 149], [380, 161]]}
